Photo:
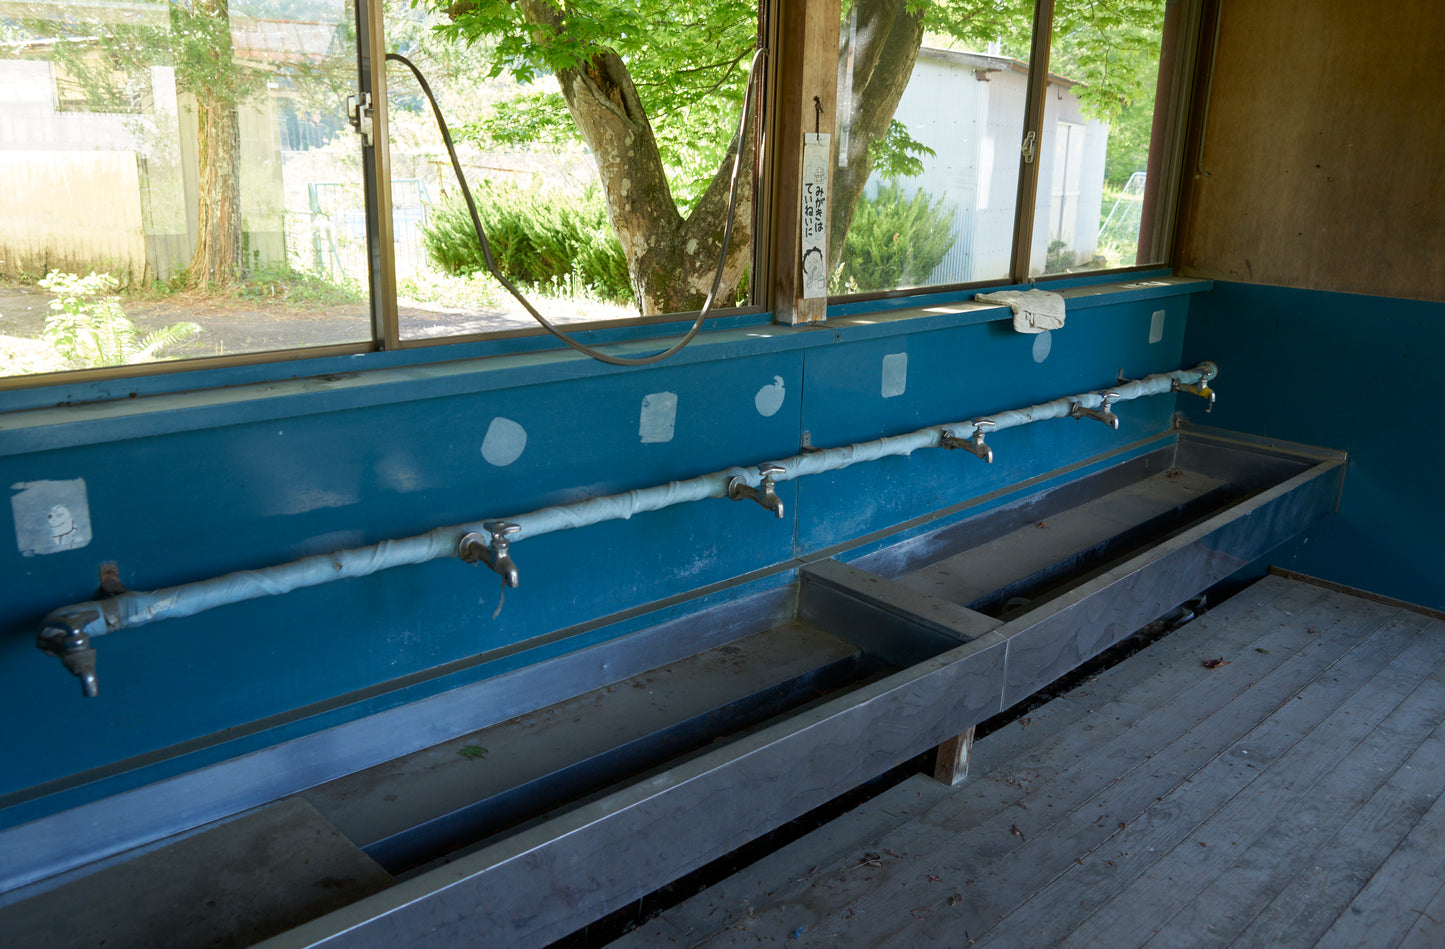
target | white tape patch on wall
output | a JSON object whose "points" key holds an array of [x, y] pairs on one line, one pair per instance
{"points": [[50, 516]]}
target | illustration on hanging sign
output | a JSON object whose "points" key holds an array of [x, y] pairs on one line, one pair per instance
{"points": [[815, 215], [50, 516]]}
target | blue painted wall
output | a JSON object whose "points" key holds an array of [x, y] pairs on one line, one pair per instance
{"points": [[244, 473], [1342, 371]]}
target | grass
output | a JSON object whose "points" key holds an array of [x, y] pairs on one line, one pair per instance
{"points": [[280, 283], [471, 291]]}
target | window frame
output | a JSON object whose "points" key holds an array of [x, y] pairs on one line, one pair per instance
{"points": [[791, 31]]}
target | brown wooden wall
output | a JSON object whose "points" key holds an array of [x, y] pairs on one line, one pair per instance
{"points": [[1321, 162]]}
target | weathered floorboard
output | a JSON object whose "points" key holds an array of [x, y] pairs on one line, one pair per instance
{"points": [[1305, 830], [1111, 701], [1288, 796], [1212, 844], [1067, 868]]}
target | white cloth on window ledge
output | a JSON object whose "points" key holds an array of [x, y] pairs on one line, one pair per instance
{"points": [[1034, 310]]}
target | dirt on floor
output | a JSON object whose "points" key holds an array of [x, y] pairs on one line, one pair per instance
{"points": [[230, 325]]}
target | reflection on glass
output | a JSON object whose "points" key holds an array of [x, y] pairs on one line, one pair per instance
{"points": [[1096, 133], [930, 116], [163, 163], [612, 217]]}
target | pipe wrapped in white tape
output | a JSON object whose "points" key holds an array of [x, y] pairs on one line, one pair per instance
{"points": [[137, 608]]}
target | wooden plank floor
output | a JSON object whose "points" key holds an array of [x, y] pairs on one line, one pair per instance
{"points": [[1290, 796]]}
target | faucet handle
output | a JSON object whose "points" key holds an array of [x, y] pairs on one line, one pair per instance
{"points": [[765, 493], [1108, 398], [473, 548], [974, 444], [500, 530]]}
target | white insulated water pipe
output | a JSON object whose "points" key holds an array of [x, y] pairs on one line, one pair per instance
{"points": [[66, 631]]}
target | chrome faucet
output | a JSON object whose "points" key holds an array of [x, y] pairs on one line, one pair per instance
{"points": [[974, 444], [473, 549], [1103, 413], [765, 494], [63, 635], [1200, 388]]}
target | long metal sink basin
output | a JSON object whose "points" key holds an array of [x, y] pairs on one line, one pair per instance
{"points": [[561, 791]]}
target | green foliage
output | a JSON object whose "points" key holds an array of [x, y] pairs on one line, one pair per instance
{"points": [[1113, 47], [474, 752], [90, 330], [898, 154], [973, 26], [1129, 143], [471, 291], [1060, 257], [281, 282], [893, 242], [538, 236], [689, 65]]}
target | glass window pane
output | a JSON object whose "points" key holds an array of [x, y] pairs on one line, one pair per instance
{"points": [[1097, 129], [612, 217], [930, 119], [163, 165]]}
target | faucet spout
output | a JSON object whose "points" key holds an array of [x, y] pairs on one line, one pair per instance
{"points": [[63, 635], [974, 444], [1200, 388], [497, 554], [765, 494], [1104, 413]]}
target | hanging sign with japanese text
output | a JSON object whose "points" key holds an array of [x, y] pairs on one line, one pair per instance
{"points": [[815, 215]]}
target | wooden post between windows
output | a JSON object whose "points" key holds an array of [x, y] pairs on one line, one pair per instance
{"points": [[806, 61]]}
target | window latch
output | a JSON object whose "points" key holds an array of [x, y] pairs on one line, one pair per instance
{"points": [[1028, 149], [358, 113]]}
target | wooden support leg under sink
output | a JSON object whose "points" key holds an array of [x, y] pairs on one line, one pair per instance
{"points": [[951, 766]]}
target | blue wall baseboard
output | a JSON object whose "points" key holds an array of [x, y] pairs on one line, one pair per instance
{"points": [[1350, 372]]}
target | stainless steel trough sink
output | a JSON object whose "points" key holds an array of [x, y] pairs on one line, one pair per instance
{"points": [[571, 787], [950, 626]]}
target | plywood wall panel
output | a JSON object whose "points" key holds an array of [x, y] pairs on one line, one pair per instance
{"points": [[1321, 162]]}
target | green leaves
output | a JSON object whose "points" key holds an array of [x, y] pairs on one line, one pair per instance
{"points": [[894, 241], [538, 236], [688, 63], [898, 154], [90, 330], [1112, 46]]}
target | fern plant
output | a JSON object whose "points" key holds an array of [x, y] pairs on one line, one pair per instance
{"points": [[90, 330]]}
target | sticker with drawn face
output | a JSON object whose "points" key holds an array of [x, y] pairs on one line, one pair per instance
{"points": [[50, 516]]}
